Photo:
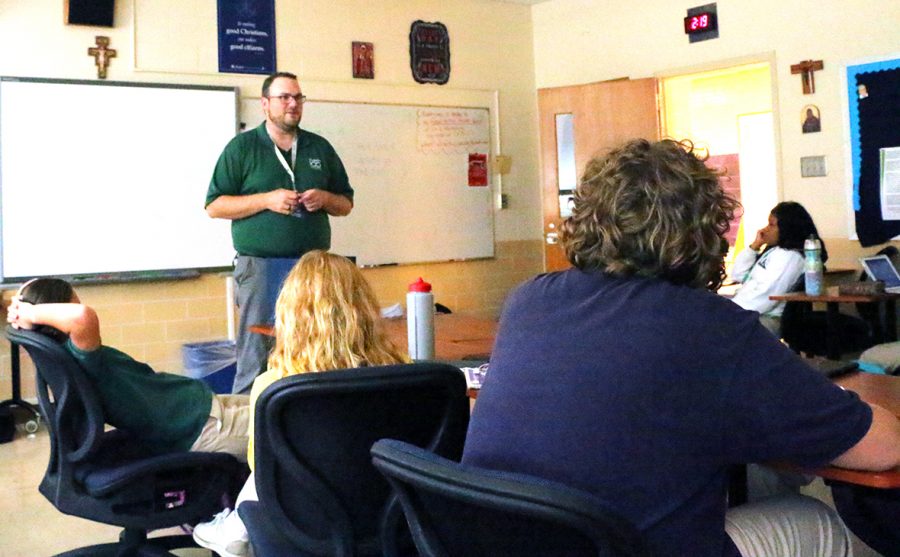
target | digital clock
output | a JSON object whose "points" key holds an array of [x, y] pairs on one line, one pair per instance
{"points": [[700, 23]]}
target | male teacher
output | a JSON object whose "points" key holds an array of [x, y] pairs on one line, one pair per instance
{"points": [[277, 184]]}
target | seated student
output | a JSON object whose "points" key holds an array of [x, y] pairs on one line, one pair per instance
{"points": [[777, 268], [628, 378], [167, 412], [326, 318]]}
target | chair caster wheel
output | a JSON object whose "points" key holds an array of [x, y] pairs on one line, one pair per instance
{"points": [[31, 426]]}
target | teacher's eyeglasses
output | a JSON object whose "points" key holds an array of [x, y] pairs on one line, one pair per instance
{"points": [[285, 98]]}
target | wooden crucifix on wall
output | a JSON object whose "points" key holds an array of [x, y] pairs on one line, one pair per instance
{"points": [[101, 54], [806, 70]]}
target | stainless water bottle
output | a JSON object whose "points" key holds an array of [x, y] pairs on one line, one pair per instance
{"points": [[420, 320]]}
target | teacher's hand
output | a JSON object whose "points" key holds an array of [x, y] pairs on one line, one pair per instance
{"points": [[282, 201], [314, 200]]}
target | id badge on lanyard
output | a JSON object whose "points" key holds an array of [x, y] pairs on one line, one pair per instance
{"points": [[300, 211]]}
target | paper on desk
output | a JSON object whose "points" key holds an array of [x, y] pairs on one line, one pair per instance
{"points": [[475, 375], [391, 312]]}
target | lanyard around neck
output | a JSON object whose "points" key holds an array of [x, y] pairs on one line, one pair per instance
{"points": [[284, 163]]}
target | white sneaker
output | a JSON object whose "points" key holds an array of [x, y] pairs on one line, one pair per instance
{"points": [[225, 534]]}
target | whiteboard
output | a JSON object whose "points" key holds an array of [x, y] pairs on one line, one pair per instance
{"points": [[110, 177], [409, 168]]}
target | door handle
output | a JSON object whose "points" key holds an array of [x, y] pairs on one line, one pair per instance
{"points": [[552, 238]]}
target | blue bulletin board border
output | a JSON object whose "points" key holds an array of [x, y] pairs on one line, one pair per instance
{"points": [[246, 36], [853, 105]]}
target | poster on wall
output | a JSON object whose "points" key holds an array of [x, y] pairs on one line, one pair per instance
{"points": [[246, 36], [429, 52]]}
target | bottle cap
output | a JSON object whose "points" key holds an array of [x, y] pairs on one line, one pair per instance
{"points": [[420, 286]]}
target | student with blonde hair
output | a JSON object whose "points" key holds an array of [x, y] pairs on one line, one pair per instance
{"points": [[326, 318]]}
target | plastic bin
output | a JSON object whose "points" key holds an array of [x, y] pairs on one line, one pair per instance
{"points": [[215, 362]]}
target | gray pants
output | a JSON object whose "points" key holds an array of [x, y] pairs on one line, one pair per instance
{"points": [[257, 283], [788, 526]]}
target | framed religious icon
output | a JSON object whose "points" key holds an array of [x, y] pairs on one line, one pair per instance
{"points": [[363, 60], [809, 119], [429, 52]]}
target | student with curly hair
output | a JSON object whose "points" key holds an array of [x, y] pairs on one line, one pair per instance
{"points": [[628, 377], [326, 318]]}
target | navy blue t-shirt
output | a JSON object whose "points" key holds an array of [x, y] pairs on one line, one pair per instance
{"points": [[642, 393]]}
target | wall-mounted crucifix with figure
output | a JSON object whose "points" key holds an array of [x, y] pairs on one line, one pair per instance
{"points": [[102, 54], [806, 70]]}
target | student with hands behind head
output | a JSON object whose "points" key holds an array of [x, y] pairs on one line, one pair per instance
{"points": [[165, 411]]}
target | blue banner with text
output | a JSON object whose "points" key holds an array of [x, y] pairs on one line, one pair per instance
{"points": [[247, 36]]}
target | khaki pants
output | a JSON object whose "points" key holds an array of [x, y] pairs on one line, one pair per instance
{"points": [[226, 430]]}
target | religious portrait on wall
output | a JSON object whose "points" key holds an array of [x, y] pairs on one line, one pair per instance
{"points": [[810, 119], [363, 60]]}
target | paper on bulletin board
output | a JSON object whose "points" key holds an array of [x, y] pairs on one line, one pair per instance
{"points": [[890, 183], [451, 130]]}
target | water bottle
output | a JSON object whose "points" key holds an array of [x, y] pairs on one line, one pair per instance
{"points": [[812, 254], [420, 320]]}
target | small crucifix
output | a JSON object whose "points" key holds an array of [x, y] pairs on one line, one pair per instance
{"points": [[101, 55], [806, 69]]}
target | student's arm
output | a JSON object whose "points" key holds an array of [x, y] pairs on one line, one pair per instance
{"points": [[743, 262], [334, 204], [879, 449], [234, 207], [78, 321]]}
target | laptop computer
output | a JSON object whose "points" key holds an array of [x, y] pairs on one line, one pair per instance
{"points": [[879, 267]]}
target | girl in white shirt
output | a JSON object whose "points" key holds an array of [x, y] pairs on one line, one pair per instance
{"points": [[777, 268]]}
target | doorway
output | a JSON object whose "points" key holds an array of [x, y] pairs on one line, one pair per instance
{"points": [[578, 122], [728, 114]]}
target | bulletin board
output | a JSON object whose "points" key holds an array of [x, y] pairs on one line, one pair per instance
{"points": [[420, 174], [873, 92]]}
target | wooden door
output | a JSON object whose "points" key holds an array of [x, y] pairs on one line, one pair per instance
{"points": [[603, 115]]}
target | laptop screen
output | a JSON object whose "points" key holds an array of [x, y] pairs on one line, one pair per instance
{"points": [[881, 268]]}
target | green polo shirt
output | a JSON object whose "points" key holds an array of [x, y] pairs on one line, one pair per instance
{"points": [[165, 411], [249, 165]]}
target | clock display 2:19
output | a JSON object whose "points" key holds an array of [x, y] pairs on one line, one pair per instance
{"points": [[700, 22]]}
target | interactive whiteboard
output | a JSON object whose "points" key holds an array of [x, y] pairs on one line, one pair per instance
{"points": [[101, 178]]}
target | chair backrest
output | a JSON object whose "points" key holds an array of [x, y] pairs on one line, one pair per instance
{"points": [[66, 396], [108, 476], [313, 471], [455, 509]]}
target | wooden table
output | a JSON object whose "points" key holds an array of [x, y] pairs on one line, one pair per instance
{"points": [[456, 336], [886, 328], [460, 337]]}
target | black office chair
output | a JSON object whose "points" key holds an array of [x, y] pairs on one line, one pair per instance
{"points": [[108, 477], [318, 491], [454, 509]]}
